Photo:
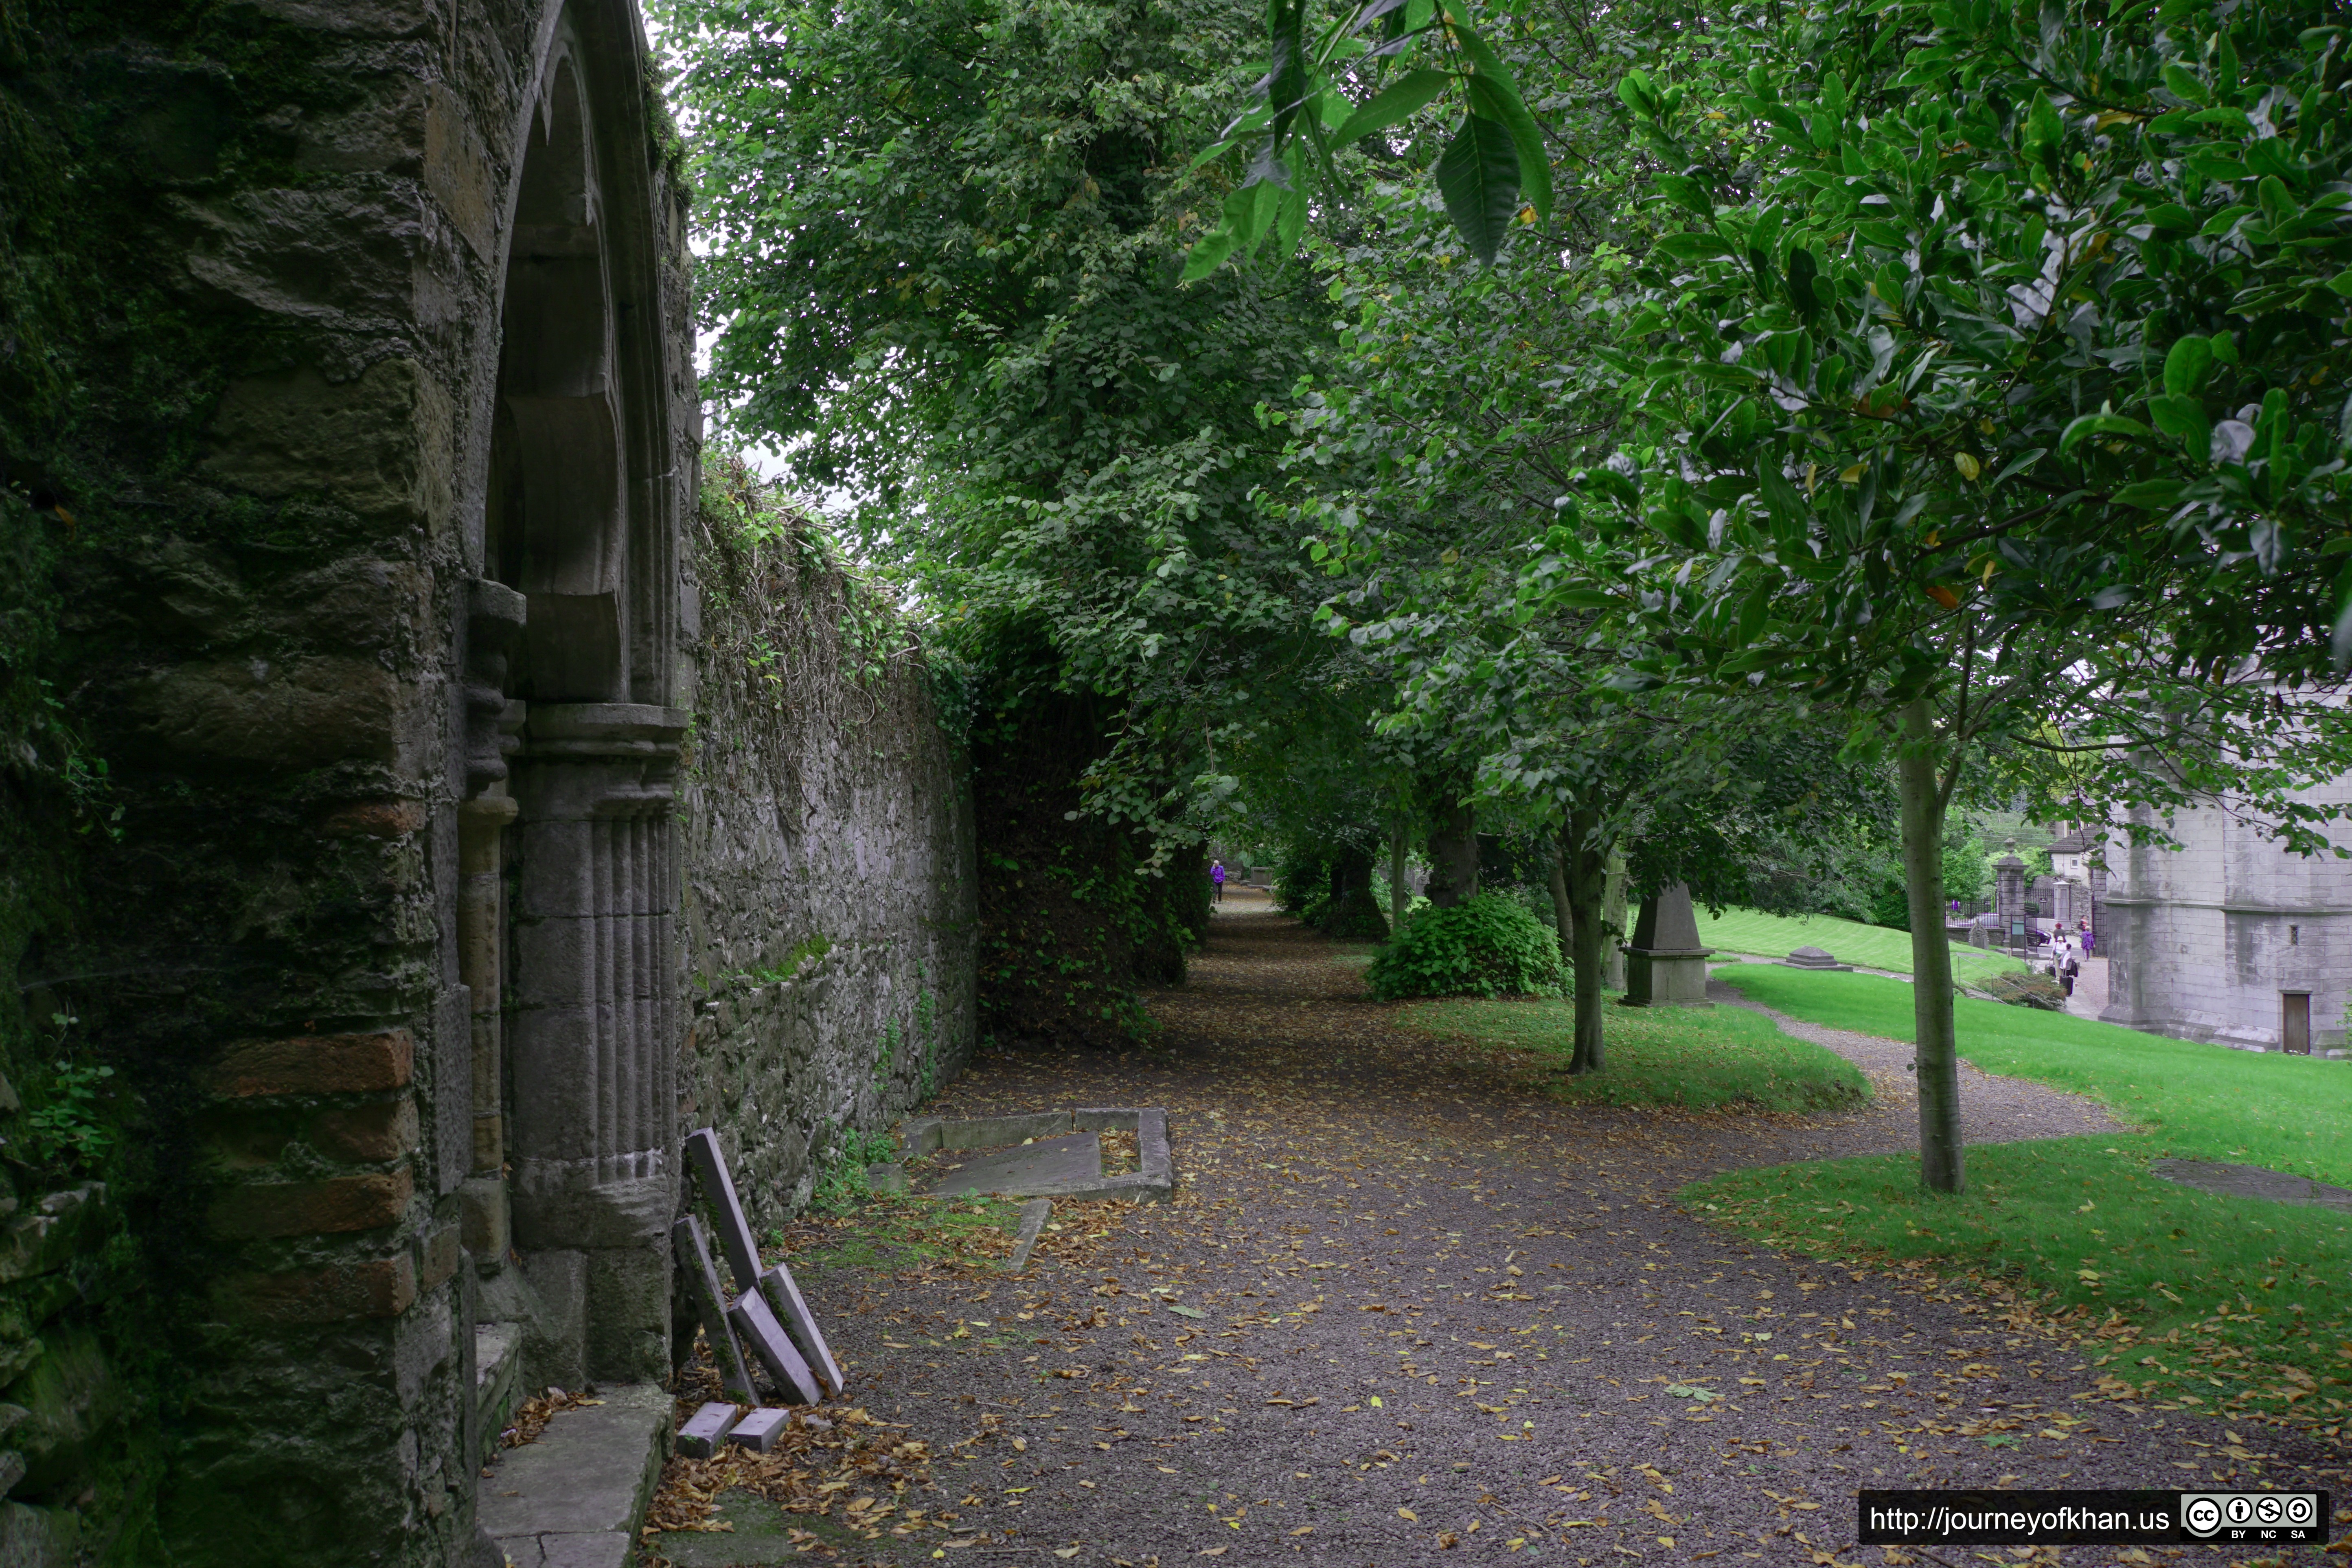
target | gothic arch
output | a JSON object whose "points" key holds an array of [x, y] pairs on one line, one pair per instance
{"points": [[567, 942]]}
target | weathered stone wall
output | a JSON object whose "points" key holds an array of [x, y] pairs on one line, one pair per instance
{"points": [[2202, 940], [829, 896], [253, 266]]}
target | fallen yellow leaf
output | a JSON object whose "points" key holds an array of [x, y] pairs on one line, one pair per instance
{"points": [[1408, 1516]]}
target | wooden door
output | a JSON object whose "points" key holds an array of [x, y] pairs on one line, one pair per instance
{"points": [[2294, 1022]]}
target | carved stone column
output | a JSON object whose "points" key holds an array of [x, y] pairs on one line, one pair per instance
{"points": [[591, 1051]]}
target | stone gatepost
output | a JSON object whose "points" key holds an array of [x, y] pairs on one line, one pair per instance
{"points": [[2009, 893], [1665, 965]]}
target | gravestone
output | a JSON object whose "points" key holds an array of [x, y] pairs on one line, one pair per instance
{"points": [[1814, 958], [2009, 895], [784, 1296], [1665, 966], [757, 1323], [710, 1303]]}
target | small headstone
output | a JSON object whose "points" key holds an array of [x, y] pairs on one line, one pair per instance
{"points": [[887, 1178], [1814, 958], [758, 1325], [701, 1437], [718, 1187], [710, 1302], [784, 1295], [760, 1430]]}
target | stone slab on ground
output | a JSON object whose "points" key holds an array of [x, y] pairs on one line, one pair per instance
{"points": [[2253, 1181], [1048, 1166], [575, 1497], [1033, 1225], [999, 1174], [706, 1429], [760, 1430]]}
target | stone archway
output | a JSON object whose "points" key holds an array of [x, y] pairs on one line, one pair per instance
{"points": [[567, 937]]}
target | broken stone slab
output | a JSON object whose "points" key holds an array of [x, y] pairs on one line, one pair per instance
{"points": [[706, 1429], [783, 1294], [1033, 1225], [710, 1303], [718, 1188], [757, 1323], [760, 1430], [2253, 1181], [579, 1492]]}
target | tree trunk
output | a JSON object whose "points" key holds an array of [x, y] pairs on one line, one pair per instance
{"points": [[1937, 1057], [1400, 895], [1612, 920], [1453, 855], [1562, 917], [1587, 876]]}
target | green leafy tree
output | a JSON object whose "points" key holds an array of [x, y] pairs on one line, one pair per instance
{"points": [[1992, 382]]}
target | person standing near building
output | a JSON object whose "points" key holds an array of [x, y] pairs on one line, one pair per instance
{"points": [[1216, 881]]}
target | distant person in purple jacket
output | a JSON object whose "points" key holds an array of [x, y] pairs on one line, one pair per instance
{"points": [[1217, 881]]}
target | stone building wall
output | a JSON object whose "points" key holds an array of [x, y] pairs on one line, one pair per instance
{"points": [[295, 309], [829, 900], [2207, 942]]}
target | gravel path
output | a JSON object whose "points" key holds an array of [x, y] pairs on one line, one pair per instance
{"points": [[1404, 1306], [1992, 1110]]}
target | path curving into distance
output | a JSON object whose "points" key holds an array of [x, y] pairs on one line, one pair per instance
{"points": [[1445, 1315]]}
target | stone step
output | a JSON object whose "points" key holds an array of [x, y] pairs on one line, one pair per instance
{"points": [[575, 1497]]}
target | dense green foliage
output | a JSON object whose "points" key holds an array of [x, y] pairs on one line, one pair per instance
{"points": [[1485, 946], [1700, 1061]]}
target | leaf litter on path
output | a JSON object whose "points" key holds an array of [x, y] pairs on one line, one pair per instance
{"points": [[1399, 1295]]}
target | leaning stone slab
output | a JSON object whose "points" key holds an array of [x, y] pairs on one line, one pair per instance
{"points": [[701, 1437], [575, 1497], [1034, 1215], [702, 1283], [2253, 1181], [783, 1293], [758, 1325], [760, 1430], [718, 1187]]}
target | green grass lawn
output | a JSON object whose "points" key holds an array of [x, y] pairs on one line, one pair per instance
{"points": [[1873, 947], [2234, 1304], [1696, 1057]]}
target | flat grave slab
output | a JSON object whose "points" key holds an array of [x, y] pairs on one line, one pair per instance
{"points": [[573, 1497], [1026, 1170], [2252, 1181], [1064, 1158]]}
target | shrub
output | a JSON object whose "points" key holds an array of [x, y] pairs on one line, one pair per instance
{"points": [[2022, 990], [1485, 946]]}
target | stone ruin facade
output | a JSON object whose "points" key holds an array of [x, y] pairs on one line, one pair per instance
{"points": [[445, 852], [2229, 938]]}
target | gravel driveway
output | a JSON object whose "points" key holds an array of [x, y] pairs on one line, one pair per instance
{"points": [[1406, 1309]]}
